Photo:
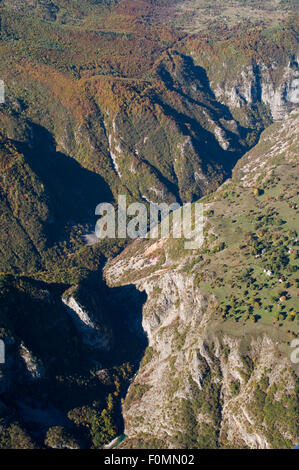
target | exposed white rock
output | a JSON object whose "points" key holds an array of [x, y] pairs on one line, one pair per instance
{"points": [[159, 193], [33, 366], [221, 137], [114, 162], [257, 84], [93, 335], [282, 98]]}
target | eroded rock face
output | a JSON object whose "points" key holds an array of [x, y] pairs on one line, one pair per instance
{"points": [[34, 367], [93, 334], [256, 84], [284, 97], [190, 375]]}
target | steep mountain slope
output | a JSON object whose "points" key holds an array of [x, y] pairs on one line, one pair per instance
{"points": [[217, 372], [106, 98], [24, 211], [44, 213]]}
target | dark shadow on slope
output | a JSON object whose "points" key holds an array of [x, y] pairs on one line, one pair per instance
{"points": [[191, 75], [74, 191], [126, 303], [204, 142], [121, 309], [171, 187]]}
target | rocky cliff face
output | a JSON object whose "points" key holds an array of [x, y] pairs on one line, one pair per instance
{"points": [[94, 334], [198, 388], [256, 84]]}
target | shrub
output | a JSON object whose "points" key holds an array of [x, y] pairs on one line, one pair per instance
{"points": [[60, 438]]}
